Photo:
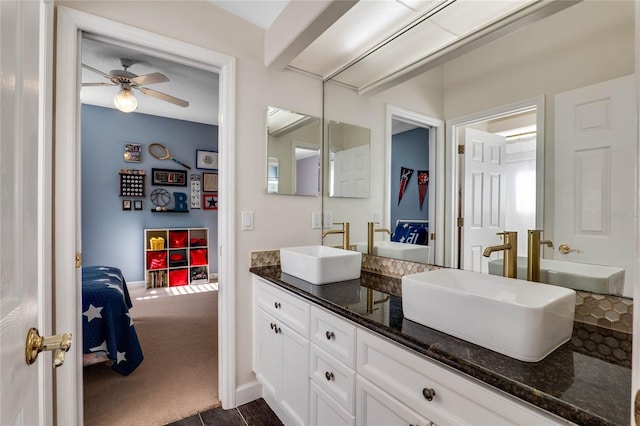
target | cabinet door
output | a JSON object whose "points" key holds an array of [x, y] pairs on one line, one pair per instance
{"points": [[374, 407], [324, 411], [295, 374], [268, 361]]}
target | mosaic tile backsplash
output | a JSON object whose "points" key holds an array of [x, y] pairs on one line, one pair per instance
{"points": [[609, 312]]}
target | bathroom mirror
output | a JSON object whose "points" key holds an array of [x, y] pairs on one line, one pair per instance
{"points": [[585, 44], [349, 160], [293, 153]]}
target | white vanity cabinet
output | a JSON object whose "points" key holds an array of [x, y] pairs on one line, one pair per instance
{"points": [[319, 368], [281, 351]]}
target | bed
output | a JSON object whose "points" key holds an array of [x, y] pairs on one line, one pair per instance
{"points": [[108, 331]]}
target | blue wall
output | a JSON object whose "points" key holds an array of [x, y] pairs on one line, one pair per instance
{"points": [[409, 149], [111, 236]]}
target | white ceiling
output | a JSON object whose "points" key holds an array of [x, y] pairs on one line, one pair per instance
{"points": [[198, 87], [354, 50]]}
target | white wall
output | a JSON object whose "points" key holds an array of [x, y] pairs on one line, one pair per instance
{"points": [[279, 220]]}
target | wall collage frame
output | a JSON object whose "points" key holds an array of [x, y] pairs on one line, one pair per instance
{"points": [[203, 186]]}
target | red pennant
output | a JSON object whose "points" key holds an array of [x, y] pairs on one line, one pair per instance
{"points": [[423, 182]]}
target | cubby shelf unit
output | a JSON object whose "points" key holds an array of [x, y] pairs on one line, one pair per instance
{"points": [[176, 257]]}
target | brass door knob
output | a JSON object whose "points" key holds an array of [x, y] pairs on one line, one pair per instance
{"points": [[59, 344], [565, 249]]}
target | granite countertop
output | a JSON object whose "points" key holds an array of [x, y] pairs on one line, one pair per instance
{"points": [[583, 381]]}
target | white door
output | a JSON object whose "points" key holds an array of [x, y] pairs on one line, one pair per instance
{"points": [[25, 391], [351, 172], [595, 194], [484, 197]]}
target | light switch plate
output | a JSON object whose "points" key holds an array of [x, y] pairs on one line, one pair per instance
{"points": [[328, 220], [316, 220], [377, 217], [247, 221]]}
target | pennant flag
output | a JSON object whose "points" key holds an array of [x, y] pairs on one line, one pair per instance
{"points": [[423, 182], [405, 175]]}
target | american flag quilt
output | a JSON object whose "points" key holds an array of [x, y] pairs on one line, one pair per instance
{"points": [[106, 322]]}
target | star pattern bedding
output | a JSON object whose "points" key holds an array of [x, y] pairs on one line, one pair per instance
{"points": [[106, 323]]}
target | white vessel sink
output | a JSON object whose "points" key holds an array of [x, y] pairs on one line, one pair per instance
{"points": [[521, 319], [320, 264], [396, 250], [579, 276]]}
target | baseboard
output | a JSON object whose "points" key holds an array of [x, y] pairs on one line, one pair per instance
{"points": [[248, 392], [136, 284]]}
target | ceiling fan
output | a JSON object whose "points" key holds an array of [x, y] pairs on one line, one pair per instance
{"points": [[124, 99]]}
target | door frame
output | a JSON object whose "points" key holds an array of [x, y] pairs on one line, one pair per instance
{"points": [[67, 279], [436, 162], [454, 179]]}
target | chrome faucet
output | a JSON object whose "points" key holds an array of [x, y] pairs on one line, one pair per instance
{"points": [[510, 248], [371, 230], [344, 231], [533, 258]]}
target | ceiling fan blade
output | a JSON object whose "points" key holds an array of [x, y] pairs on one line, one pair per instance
{"points": [[96, 84], [152, 78], [104, 74], [164, 97]]}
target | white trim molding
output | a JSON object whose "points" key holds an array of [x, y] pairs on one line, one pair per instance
{"points": [[67, 237]]}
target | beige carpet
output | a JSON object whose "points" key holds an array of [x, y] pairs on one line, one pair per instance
{"points": [[179, 374]]}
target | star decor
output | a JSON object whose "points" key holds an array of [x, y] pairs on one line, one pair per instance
{"points": [[116, 287], [101, 348], [121, 356], [210, 201], [92, 313]]}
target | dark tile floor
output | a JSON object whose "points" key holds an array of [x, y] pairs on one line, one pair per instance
{"points": [[255, 413]]}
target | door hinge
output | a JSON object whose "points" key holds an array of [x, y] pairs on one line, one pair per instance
{"points": [[433, 237], [460, 222], [460, 149], [78, 260]]}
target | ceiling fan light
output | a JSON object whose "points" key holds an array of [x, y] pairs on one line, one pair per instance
{"points": [[125, 101]]}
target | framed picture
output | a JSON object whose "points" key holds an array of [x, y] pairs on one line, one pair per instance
{"points": [[210, 201], [126, 204], [210, 182], [195, 192], [169, 177], [137, 204], [207, 160], [132, 152]]}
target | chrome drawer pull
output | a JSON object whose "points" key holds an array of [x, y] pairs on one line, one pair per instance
{"points": [[428, 394], [329, 376], [277, 305], [330, 335]]}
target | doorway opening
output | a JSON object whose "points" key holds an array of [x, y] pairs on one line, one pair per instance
{"points": [[414, 182], [498, 175], [166, 310]]}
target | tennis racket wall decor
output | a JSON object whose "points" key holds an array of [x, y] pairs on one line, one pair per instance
{"points": [[161, 152]]}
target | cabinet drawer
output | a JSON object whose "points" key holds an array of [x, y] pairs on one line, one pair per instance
{"points": [[285, 307], [325, 411], [374, 407], [457, 399], [332, 376], [334, 335]]}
